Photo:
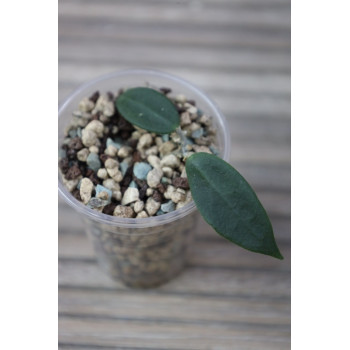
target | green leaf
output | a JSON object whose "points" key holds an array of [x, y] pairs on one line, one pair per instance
{"points": [[149, 110], [228, 203]]}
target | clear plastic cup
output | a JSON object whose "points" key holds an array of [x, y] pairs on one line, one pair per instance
{"points": [[150, 251]]}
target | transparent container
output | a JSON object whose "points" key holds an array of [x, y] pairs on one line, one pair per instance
{"points": [[150, 251]]}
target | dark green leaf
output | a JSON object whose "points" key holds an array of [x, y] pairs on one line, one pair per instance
{"points": [[229, 204], [149, 110]]}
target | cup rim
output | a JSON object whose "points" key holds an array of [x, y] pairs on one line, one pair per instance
{"points": [[153, 220]]}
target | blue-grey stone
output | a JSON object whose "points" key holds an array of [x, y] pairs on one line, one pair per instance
{"points": [[160, 212], [141, 170], [93, 161], [165, 137], [79, 183], [79, 134], [199, 112], [72, 133], [188, 141], [100, 188], [168, 207], [165, 180], [96, 203], [124, 165], [62, 153], [197, 133], [117, 142], [133, 184], [214, 150]]}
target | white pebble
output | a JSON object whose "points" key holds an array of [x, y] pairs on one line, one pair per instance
{"points": [[93, 149], [135, 135], [178, 196], [86, 188], [149, 192], [141, 215], [168, 172], [138, 207], [104, 105], [86, 105], [103, 195], [111, 185], [102, 173], [130, 195], [152, 206], [117, 195], [115, 174], [144, 141], [124, 152], [115, 130], [83, 154], [169, 191], [170, 160], [180, 98], [70, 184], [185, 119], [96, 126], [111, 150], [204, 149], [152, 151], [154, 177], [111, 163], [88, 137], [154, 161], [123, 212], [166, 148]]}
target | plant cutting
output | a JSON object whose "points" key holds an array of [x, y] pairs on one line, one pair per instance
{"points": [[223, 197], [137, 163]]}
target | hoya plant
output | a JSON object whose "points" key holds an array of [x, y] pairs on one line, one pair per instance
{"points": [[223, 197]]}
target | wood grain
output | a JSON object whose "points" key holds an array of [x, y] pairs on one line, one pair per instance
{"points": [[238, 51]]}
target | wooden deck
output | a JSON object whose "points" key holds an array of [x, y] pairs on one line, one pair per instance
{"points": [[238, 51]]}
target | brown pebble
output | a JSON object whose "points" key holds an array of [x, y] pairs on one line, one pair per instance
{"points": [[110, 95], [109, 209], [95, 180], [161, 188], [181, 182], [157, 196], [124, 125], [136, 157], [181, 109], [139, 182], [64, 165], [142, 192], [165, 90], [125, 134], [73, 172], [71, 154], [104, 157], [132, 143], [96, 116], [76, 144], [76, 194], [192, 102], [94, 97]]}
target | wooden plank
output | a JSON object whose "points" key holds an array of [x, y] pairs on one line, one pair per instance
{"points": [[171, 335], [212, 253], [269, 17], [223, 283], [183, 56], [173, 308], [77, 31]]}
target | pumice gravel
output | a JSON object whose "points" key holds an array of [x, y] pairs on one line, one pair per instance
{"points": [[120, 169]]}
